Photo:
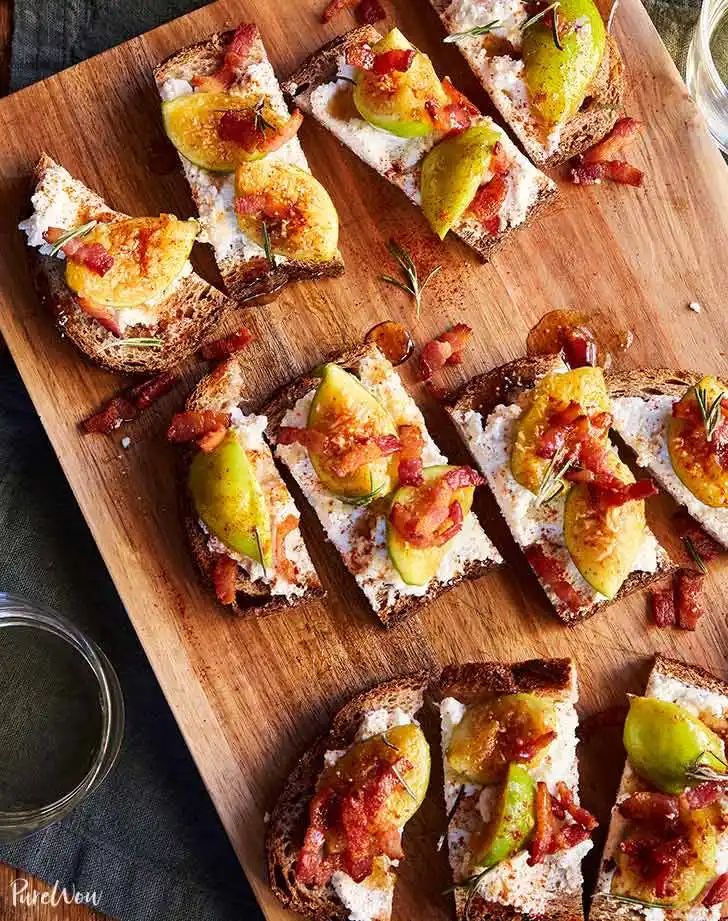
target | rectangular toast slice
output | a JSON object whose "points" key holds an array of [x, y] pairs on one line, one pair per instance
{"points": [[703, 696], [322, 86], [643, 402], [520, 885], [171, 324], [244, 264], [359, 531], [486, 411], [495, 59]]}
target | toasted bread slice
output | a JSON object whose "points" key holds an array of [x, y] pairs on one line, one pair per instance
{"points": [[181, 319], [358, 532], [314, 85], [512, 890], [699, 692], [642, 406], [485, 411], [243, 264], [258, 592], [498, 72], [289, 818]]}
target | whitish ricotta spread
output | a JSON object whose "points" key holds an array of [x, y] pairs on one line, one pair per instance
{"points": [[358, 533], [643, 426], [400, 159], [490, 444], [513, 882], [249, 431]]}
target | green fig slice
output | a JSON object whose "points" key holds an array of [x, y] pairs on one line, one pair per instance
{"points": [[230, 501], [664, 742], [512, 821], [452, 173]]}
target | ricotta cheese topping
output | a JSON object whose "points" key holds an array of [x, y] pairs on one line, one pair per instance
{"points": [[513, 882], [643, 426], [61, 201], [464, 15], [399, 159], [358, 533], [249, 432], [214, 193], [490, 444]]}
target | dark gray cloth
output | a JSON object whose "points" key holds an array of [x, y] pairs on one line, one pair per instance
{"points": [[148, 841]]}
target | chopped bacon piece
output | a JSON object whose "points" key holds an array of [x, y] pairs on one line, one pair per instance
{"points": [[227, 346], [284, 566], [458, 336], [455, 115], [245, 130], [193, 424], [224, 578], [93, 256], [433, 517], [688, 584], [368, 12], [578, 813], [410, 455], [623, 131], [250, 204], [443, 350], [360, 55], [128, 405], [211, 440], [616, 170], [688, 529], [718, 892], [579, 347], [102, 313], [663, 607], [542, 841], [553, 574], [334, 7], [704, 794], [342, 460], [616, 496], [234, 59], [611, 717], [527, 749], [652, 808], [488, 202], [399, 60]]}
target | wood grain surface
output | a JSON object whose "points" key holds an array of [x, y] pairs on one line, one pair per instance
{"points": [[249, 695]]}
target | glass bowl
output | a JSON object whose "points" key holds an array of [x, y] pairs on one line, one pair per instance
{"points": [[702, 75], [19, 612]]}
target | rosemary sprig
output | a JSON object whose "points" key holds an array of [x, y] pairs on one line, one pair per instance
{"points": [[80, 231], [260, 123], [410, 791], [344, 77], [632, 901], [474, 32], [450, 817], [711, 412], [554, 21], [552, 484], [701, 771], [260, 551], [361, 501], [692, 552], [140, 342], [412, 286], [268, 249]]}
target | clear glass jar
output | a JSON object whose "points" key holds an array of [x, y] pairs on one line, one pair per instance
{"points": [[42, 625], [706, 70]]}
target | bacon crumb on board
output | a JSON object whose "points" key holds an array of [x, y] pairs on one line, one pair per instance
{"points": [[367, 12], [600, 161], [688, 529], [129, 404], [445, 349], [227, 346], [680, 604]]}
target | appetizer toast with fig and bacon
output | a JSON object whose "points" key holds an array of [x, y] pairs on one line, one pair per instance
{"points": [[399, 515], [540, 434], [516, 834], [374, 756], [122, 289], [267, 218], [381, 98], [552, 70], [242, 524], [666, 851]]}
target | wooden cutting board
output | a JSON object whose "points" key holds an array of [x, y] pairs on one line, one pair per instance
{"points": [[249, 695]]}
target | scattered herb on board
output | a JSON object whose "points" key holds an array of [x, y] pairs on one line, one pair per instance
{"points": [[412, 285], [692, 552]]}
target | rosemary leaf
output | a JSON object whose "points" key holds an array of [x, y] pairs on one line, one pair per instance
{"points": [[410, 791], [711, 412], [140, 342], [80, 231], [474, 32], [450, 817], [260, 550], [537, 16], [692, 552], [412, 284], [551, 484], [259, 121], [267, 247]]}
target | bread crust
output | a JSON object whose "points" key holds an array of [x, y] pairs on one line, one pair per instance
{"points": [[275, 409], [321, 66], [507, 384], [217, 391], [285, 830], [595, 118], [188, 315], [244, 278]]}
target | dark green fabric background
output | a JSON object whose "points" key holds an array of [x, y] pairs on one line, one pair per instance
{"points": [[148, 841]]}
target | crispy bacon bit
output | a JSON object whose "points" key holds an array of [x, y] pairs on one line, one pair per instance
{"points": [[578, 813], [368, 12], [93, 256], [284, 566], [444, 350], [102, 313], [193, 424], [553, 831], [527, 749], [227, 346], [334, 8], [623, 131], [434, 516], [360, 55], [543, 835], [663, 607], [688, 585], [688, 529], [399, 59], [211, 440], [245, 130], [718, 892], [488, 202], [128, 405], [704, 794], [224, 578], [283, 219], [343, 460], [453, 116], [553, 574], [614, 496], [410, 455], [652, 808], [616, 170], [595, 723], [235, 58]]}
